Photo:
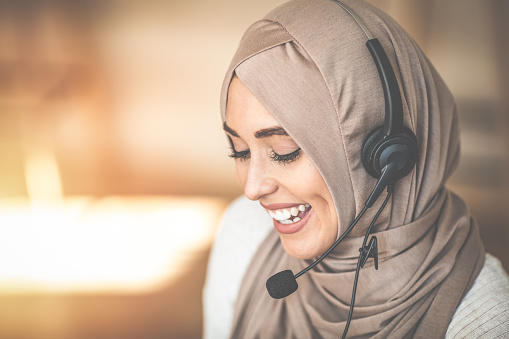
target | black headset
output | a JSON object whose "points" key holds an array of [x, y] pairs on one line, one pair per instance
{"points": [[393, 142]]}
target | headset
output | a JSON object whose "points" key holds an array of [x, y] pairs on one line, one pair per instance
{"points": [[388, 154], [393, 142]]}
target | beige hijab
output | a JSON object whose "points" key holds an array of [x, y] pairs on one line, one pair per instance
{"points": [[307, 63]]}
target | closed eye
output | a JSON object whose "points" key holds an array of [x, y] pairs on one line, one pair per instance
{"points": [[242, 155], [284, 159]]}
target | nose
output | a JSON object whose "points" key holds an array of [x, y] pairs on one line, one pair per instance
{"points": [[260, 180]]}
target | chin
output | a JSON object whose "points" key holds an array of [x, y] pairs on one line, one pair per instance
{"points": [[301, 249]]}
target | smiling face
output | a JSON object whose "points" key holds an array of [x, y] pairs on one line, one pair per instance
{"points": [[273, 169]]}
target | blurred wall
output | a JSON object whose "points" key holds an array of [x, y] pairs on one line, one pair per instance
{"points": [[123, 93]]}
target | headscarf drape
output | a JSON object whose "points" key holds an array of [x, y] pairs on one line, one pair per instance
{"points": [[307, 63]]}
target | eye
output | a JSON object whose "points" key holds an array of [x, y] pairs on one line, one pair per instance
{"points": [[284, 159], [242, 155]]}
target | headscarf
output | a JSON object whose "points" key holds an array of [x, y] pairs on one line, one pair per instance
{"points": [[307, 63]]}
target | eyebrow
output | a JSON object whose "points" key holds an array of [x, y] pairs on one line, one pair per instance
{"points": [[267, 132], [229, 130], [263, 133]]}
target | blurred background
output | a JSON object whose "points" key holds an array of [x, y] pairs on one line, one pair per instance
{"points": [[113, 166]]}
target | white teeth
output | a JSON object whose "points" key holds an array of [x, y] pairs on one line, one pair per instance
{"points": [[284, 216], [294, 211], [280, 216]]}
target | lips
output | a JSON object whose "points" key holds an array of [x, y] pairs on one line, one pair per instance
{"points": [[289, 219]]}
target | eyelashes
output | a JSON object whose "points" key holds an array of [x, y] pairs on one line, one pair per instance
{"points": [[284, 159], [281, 159], [243, 155]]}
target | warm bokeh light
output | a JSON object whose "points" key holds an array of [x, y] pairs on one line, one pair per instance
{"points": [[110, 245], [42, 178]]}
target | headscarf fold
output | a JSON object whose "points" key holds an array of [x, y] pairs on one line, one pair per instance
{"points": [[308, 65]]}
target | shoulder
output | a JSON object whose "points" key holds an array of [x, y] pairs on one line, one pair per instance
{"points": [[484, 311], [243, 227]]}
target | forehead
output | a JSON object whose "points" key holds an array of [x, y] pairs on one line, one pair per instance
{"points": [[243, 110]]}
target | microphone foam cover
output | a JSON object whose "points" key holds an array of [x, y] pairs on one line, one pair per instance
{"points": [[281, 284]]}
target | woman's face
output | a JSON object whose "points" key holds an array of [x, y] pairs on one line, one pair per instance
{"points": [[275, 171]]}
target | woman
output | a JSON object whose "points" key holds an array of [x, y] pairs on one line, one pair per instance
{"points": [[299, 99]]}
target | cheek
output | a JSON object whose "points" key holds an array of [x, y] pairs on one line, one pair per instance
{"points": [[307, 180], [312, 185]]}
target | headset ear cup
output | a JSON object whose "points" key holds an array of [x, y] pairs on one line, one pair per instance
{"points": [[379, 150]]}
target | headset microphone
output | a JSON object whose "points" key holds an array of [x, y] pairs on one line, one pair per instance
{"points": [[284, 283]]}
